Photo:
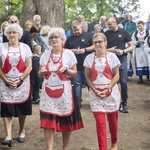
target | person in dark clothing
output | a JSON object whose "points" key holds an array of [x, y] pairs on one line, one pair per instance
{"points": [[25, 37], [36, 81], [117, 37], [125, 20], [33, 33], [81, 45], [92, 24]]}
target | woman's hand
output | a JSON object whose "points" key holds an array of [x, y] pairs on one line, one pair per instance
{"points": [[101, 94], [140, 41], [12, 84], [62, 70], [16, 83], [42, 72]]}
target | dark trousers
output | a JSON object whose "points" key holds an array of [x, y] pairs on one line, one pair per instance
{"points": [[123, 79], [35, 92]]}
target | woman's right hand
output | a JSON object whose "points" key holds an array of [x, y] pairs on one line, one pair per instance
{"points": [[101, 94], [42, 72], [97, 93], [10, 83]]}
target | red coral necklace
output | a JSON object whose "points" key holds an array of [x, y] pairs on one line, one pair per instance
{"points": [[56, 59]]}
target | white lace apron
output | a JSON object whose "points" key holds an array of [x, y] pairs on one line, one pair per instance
{"points": [[110, 103], [56, 96]]}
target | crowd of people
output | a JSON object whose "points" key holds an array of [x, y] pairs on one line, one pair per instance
{"points": [[47, 66]]}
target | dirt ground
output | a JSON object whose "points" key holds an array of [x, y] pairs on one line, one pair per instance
{"points": [[134, 127]]}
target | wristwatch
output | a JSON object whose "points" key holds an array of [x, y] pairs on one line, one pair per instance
{"points": [[109, 89], [85, 50], [20, 79]]}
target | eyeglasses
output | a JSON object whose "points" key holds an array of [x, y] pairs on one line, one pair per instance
{"points": [[54, 37], [98, 42], [12, 32], [109, 24], [14, 21]]}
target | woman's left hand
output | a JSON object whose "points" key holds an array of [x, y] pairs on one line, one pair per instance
{"points": [[62, 70], [15, 83], [102, 94]]}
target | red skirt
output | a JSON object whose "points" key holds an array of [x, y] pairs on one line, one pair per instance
{"points": [[63, 124]]}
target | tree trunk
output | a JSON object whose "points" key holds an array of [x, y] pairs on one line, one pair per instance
{"points": [[51, 11]]}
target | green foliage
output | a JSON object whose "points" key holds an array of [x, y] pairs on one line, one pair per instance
{"points": [[89, 8], [10, 7], [97, 8], [16, 1]]}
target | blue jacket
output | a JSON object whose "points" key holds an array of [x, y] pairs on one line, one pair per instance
{"points": [[130, 27]]}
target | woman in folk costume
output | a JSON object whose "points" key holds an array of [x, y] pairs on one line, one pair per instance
{"points": [[147, 49], [129, 65], [59, 109], [15, 67], [102, 74], [141, 62]]}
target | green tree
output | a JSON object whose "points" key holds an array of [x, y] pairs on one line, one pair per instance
{"points": [[51, 11], [89, 8], [9, 7], [97, 8]]}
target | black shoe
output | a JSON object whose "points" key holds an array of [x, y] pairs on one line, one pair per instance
{"points": [[20, 139], [140, 82], [7, 142], [36, 101], [80, 105], [124, 109], [147, 77]]}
